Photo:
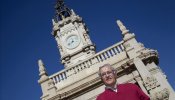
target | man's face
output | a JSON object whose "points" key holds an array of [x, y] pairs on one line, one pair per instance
{"points": [[108, 76]]}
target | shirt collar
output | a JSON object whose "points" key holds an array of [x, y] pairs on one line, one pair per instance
{"points": [[111, 88]]}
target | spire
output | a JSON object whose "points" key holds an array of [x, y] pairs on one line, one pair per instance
{"points": [[42, 69], [122, 27], [125, 32], [61, 10]]}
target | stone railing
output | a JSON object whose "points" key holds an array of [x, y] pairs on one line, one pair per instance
{"points": [[99, 57]]}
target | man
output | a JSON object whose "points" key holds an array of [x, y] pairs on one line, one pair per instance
{"points": [[114, 91]]}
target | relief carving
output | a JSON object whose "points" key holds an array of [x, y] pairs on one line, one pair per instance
{"points": [[151, 83], [161, 95]]}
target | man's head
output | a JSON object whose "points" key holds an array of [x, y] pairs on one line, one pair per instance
{"points": [[108, 75]]}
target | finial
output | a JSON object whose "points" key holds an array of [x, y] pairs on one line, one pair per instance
{"points": [[73, 13], [122, 27], [53, 22], [42, 69]]}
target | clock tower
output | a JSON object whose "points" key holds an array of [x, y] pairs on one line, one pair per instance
{"points": [[71, 35]]}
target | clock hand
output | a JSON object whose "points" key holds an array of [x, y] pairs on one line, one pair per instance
{"points": [[68, 43], [72, 41]]}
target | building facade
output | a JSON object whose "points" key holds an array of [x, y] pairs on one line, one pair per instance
{"points": [[80, 81]]}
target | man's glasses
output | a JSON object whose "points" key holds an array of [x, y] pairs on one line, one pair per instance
{"points": [[104, 74]]}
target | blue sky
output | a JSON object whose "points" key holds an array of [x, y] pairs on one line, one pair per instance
{"points": [[25, 37]]}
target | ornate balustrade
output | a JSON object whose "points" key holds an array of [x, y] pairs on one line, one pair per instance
{"points": [[99, 57]]}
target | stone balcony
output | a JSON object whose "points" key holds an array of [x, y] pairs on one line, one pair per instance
{"points": [[85, 68]]}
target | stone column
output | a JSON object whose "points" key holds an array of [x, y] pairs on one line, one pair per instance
{"points": [[130, 43], [47, 86], [139, 81]]}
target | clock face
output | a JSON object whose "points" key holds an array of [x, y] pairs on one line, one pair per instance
{"points": [[72, 41]]}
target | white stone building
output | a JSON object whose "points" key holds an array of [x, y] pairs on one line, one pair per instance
{"points": [[80, 81]]}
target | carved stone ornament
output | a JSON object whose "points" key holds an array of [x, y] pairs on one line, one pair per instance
{"points": [[151, 83], [42, 69], [50, 83], [126, 45], [161, 95]]}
